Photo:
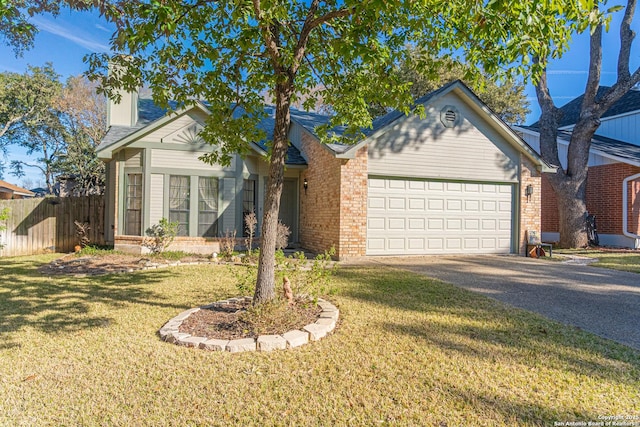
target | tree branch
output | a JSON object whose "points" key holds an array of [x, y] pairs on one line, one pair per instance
{"points": [[549, 120], [270, 39], [595, 69], [311, 23], [626, 38]]}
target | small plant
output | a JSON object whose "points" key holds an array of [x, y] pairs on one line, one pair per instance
{"points": [[228, 244], [82, 231], [308, 278], [160, 235], [282, 236], [250, 222], [4, 216], [246, 277], [96, 250]]}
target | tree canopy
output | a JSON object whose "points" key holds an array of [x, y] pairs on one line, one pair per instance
{"points": [[505, 96], [58, 124]]}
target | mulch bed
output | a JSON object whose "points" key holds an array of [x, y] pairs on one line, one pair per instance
{"points": [[233, 321], [72, 264]]}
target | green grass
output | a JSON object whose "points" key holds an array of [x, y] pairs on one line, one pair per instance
{"points": [[621, 260], [408, 351]]}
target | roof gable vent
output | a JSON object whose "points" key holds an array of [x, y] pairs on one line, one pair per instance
{"points": [[450, 116]]}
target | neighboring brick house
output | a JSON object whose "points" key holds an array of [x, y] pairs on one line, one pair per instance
{"points": [[10, 191], [613, 180], [454, 181]]}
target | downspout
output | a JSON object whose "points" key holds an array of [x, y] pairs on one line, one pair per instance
{"points": [[625, 207]]}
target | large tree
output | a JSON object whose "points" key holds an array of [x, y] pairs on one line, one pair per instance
{"points": [[59, 126], [25, 100], [569, 183], [230, 52], [83, 113], [505, 96]]}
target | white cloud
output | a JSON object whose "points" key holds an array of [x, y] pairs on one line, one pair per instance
{"points": [[103, 28], [574, 72], [70, 34]]}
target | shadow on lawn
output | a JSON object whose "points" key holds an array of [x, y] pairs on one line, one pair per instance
{"points": [[62, 303], [461, 323]]}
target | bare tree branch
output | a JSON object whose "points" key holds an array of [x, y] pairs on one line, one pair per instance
{"points": [[595, 70], [549, 120], [626, 38]]}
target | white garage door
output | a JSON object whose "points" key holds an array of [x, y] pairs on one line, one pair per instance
{"points": [[434, 217]]}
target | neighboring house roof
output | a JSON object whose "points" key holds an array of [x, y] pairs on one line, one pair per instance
{"points": [[608, 147], [6, 187], [629, 102]]}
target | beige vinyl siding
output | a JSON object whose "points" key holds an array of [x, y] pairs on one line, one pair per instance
{"points": [[228, 205], [156, 206], [110, 200], [424, 148], [174, 159], [133, 158], [171, 132]]}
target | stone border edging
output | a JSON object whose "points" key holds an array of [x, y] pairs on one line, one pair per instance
{"points": [[326, 323]]}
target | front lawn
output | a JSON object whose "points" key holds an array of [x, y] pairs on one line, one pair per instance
{"points": [[408, 351], [624, 260]]}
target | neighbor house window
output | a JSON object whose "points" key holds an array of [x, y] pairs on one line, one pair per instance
{"points": [[133, 203], [179, 203], [207, 207], [248, 201]]}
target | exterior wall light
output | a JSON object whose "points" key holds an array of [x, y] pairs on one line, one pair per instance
{"points": [[305, 184], [528, 191]]}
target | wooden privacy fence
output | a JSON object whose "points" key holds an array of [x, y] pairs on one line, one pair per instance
{"points": [[47, 224]]}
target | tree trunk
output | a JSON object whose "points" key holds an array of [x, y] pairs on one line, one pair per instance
{"points": [[265, 286], [572, 211]]}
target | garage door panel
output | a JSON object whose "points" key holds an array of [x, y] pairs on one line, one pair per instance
{"points": [[416, 204], [436, 217]]}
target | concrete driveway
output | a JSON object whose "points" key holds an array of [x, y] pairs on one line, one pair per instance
{"points": [[605, 302]]}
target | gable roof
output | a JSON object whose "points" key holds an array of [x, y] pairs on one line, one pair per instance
{"points": [[383, 124], [6, 187], [151, 117], [629, 102]]}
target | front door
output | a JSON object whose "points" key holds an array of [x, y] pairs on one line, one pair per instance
{"points": [[289, 208]]}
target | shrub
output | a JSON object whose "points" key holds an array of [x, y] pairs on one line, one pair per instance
{"points": [[250, 222], [228, 244], [160, 235], [282, 236], [82, 231]]}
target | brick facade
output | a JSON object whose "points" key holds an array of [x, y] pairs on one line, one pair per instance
{"points": [[353, 208], [530, 218], [604, 199], [333, 208]]}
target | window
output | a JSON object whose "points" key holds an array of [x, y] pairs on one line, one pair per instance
{"points": [[179, 203], [248, 201], [133, 203], [207, 207]]}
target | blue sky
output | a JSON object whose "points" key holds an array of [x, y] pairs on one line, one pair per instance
{"points": [[66, 39]]}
